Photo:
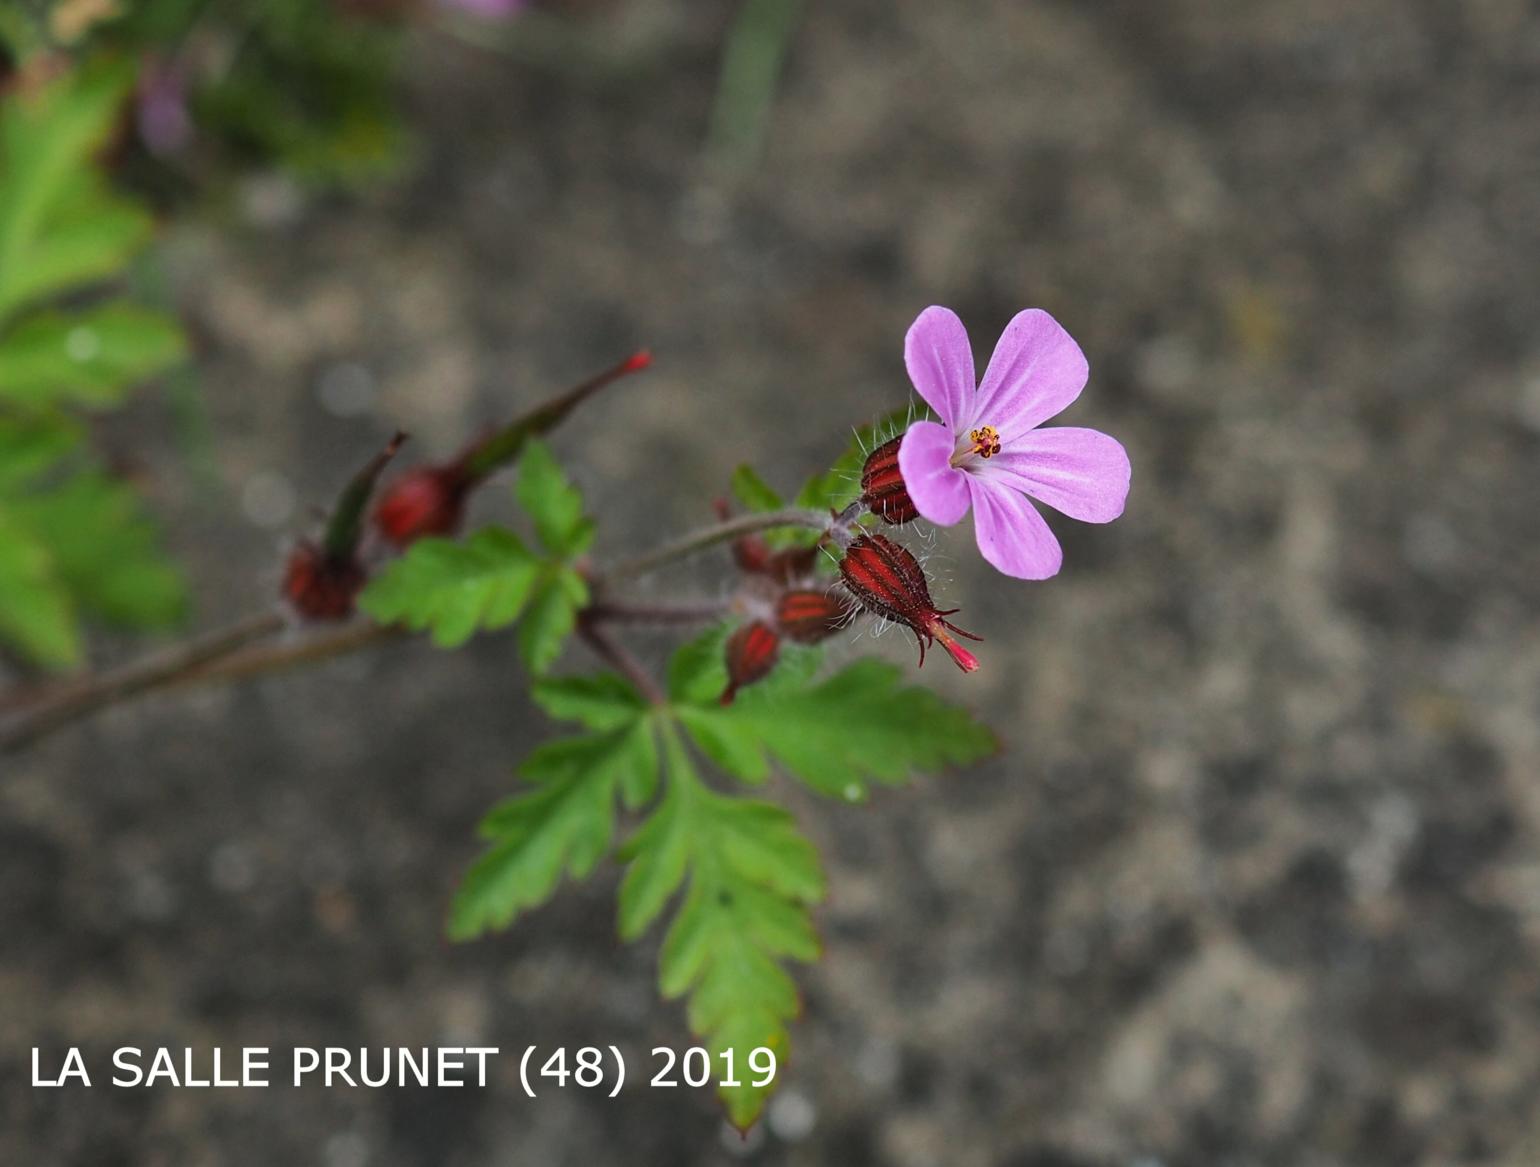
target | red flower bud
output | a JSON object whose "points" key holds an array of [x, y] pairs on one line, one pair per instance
{"points": [[888, 581], [882, 486], [808, 617], [751, 653], [792, 565], [750, 552], [753, 555], [320, 586], [429, 500]]}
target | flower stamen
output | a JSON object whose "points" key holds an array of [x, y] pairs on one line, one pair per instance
{"points": [[983, 441], [986, 441]]}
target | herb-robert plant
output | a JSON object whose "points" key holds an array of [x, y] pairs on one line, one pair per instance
{"points": [[650, 767]]}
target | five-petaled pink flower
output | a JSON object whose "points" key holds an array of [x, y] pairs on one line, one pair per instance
{"points": [[988, 453]]}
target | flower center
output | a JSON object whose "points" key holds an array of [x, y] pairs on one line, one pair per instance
{"points": [[985, 443]]}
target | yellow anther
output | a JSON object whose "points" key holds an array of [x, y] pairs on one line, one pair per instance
{"points": [[986, 441]]}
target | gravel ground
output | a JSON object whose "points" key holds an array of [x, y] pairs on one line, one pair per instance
{"points": [[1257, 880]]}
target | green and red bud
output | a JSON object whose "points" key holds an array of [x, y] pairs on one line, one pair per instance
{"points": [[428, 500], [320, 586], [322, 580]]}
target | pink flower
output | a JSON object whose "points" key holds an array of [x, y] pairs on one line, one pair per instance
{"points": [[988, 452]]}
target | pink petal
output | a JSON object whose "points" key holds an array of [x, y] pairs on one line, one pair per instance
{"points": [[1082, 472], [940, 363], [939, 490], [1037, 370], [1011, 535]]}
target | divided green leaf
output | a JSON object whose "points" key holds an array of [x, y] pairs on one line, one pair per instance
{"points": [[455, 589], [599, 701], [861, 725], [565, 825], [752, 877], [553, 610], [555, 505]]}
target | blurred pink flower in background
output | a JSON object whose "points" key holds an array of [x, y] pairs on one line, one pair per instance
{"points": [[160, 107]]}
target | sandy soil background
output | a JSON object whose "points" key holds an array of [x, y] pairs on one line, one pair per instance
{"points": [[1258, 879]]}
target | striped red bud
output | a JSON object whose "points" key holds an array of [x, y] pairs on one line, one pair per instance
{"points": [[808, 616], [882, 485], [888, 581], [793, 565], [751, 653]]}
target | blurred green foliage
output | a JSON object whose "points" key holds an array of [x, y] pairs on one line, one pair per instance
{"points": [[73, 539], [306, 84]]}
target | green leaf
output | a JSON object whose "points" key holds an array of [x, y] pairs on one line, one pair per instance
{"points": [[566, 757], [657, 853], [555, 505], [455, 588], [602, 701], [74, 544], [560, 593], [753, 491], [33, 444], [697, 672], [861, 725], [89, 357], [81, 548], [105, 552], [752, 877], [559, 596], [90, 235], [563, 826], [35, 612], [46, 140], [737, 752]]}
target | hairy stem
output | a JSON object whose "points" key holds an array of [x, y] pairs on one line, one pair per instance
{"points": [[620, 658], [612, 611], [72, 701], [261, 660], [695, 541], [235, 652]]}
